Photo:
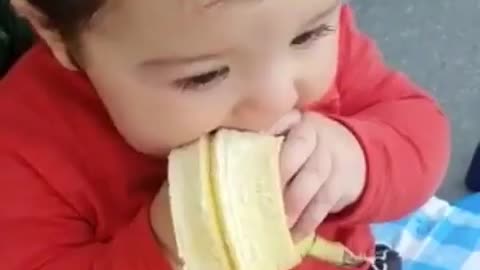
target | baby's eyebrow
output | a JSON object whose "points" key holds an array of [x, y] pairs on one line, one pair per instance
{"points": [[324, 13], [179, 61], [213, 3]]}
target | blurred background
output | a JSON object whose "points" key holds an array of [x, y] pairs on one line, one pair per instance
{"points": [[436, 42]]}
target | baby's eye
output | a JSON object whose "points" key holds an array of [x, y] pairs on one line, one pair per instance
{"points": [[313, 35], [198, 81]]}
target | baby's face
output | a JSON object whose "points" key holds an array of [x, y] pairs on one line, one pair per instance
{"points": [[170, 71]]}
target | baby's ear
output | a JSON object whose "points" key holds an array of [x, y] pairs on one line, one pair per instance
{"points": [[44, 30]]}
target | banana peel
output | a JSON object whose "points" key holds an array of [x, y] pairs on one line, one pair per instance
{"points": [[227, 207], [330, 252]]}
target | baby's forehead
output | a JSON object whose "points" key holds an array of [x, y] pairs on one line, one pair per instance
{"points": [[177, 18], [140, 30], [121, 10], [178, 3], [213, 3], [185, 5], [205, 5]]}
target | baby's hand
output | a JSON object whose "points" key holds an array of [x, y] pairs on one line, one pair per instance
{"points": [[322, 168], [162, 226]]}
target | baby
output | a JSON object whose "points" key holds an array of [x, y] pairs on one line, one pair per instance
{"points": [[89, 114]]}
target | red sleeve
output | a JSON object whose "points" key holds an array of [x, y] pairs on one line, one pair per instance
{"points": [[50, 235], [404, 134]]}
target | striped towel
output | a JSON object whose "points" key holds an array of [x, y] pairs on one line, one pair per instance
{"points": [[438, 236]]}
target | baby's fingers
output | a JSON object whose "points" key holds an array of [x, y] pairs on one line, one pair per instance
{"points": [[287, 122], [299, 193], [297, 148], [309, 221], [315, 213], [306, 184]]}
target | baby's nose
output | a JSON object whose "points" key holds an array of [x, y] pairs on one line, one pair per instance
{"points": [[263, 107], [275, 95]]}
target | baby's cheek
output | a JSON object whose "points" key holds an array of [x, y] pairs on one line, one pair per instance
{"points": [[177, 124], [317, 89], [318, 76]]}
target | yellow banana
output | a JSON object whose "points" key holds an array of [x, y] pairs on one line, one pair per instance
{"points": [[228, 211]]}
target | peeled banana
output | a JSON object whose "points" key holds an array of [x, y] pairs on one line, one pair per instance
{"points": [[227, 207]]}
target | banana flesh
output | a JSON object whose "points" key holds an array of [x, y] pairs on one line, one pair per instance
{"points": [[198, 234], [228, 211]]}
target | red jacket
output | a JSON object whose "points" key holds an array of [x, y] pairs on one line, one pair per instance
{"points": [[75, 196]]}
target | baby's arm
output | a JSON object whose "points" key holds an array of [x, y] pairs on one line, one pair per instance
{"points": [[39, 229], [403, 132]]}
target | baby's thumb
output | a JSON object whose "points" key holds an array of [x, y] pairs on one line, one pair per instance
{"points": [[285, 123]]}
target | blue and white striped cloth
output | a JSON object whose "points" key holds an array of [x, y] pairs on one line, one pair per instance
{"points": [[438, 236]]}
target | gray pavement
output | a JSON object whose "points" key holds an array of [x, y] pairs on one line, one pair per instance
{"points": [[436, 42]]}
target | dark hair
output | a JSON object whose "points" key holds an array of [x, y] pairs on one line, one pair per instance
{"points": [[69, 17]]}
